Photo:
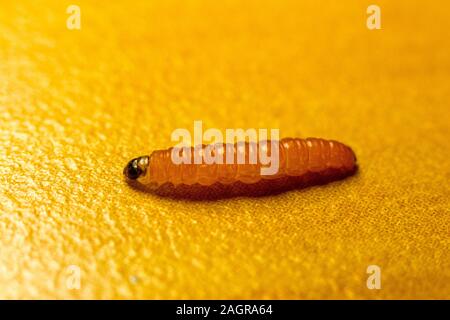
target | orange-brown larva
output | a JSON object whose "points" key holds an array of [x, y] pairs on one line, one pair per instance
{"points": [[297, 158]]}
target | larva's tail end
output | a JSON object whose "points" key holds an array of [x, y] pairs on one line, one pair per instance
{"points": [[136, 168]]}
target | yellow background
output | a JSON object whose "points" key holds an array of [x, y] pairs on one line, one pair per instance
{"points": [[77, 105]]}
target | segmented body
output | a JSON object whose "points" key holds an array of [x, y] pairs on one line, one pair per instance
{"points": [[296, 158]]}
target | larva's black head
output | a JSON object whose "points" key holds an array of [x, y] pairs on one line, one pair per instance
{"points": [[136, 168]]}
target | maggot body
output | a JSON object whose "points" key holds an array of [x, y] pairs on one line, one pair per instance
{"points": [[297, 157]]}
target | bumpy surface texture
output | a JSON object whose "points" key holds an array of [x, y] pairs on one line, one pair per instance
{"points": [[75, 106]]}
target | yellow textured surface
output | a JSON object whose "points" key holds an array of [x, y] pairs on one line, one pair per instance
{"points": [[77, 105]]}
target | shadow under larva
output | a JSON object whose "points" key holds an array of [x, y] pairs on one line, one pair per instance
{"points": [[262, 188]]}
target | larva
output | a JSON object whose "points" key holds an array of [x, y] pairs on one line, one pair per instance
{"points": [[297, 158]]}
